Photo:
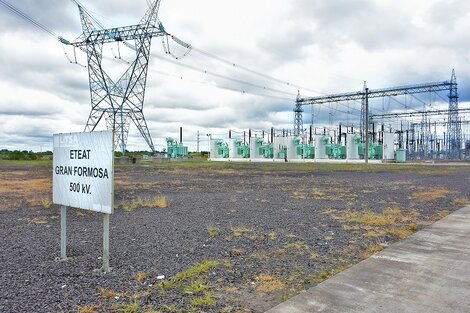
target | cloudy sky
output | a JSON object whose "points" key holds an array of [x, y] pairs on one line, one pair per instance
{"points": [[322, 46]]}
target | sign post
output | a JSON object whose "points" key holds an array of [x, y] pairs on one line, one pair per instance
{"points": [[106, 242], [63, 232], [83, 177]]}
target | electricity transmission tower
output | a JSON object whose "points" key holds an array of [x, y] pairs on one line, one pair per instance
{"points": [[119, 102], [454, 130]]}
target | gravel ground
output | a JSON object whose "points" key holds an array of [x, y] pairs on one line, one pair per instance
{"points": [[233, 237]]}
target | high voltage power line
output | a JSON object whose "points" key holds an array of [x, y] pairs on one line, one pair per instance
{"points": [[48, 31], [27, 18], [45, 29], [229, 63]]}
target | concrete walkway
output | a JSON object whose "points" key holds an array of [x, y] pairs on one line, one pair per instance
{"points": [[427, 272]]}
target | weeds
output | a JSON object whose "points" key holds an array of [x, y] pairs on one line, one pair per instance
{"points": [[244, 232], [390, 222], [296, 247], [387, 217], [272, 235], [93, 308], [195, 270], [372, 250], [461, 202], [268, 284], [213, 231], [141, 277], [46, 203], [127, 308], [202, 302], [237, 251], [196, 287], [108, 294], [431, 195], [156, 202]]}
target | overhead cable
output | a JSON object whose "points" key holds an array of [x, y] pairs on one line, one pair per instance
{"points": [[30, 20], [246, 69], [215, 74]]}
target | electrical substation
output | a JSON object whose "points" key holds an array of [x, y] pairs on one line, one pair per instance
{"points": [[370, 138]]}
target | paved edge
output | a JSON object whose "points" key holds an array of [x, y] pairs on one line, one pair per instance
{"points": [[426, 272]]}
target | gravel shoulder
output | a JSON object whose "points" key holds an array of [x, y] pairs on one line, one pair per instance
{"points": [[227, 238]]}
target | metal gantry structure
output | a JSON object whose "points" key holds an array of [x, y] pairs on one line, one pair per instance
{"points": [[453, 136], [122, 101], [454, 128]]}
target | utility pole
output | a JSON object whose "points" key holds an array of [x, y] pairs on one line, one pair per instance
{"points": [[197, 141], [366, 124]]}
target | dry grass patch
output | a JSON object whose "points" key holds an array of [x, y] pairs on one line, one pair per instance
{"points": [[93, 308], [299, 195], [272, 235], [40, 220], [244, 232], [109, 294], [441, 214], [141, 276], [19, 184], [296, 247], [387, 217], [329, 211], [127, 308], [213, 231], [390, 222], [430, 195], [372, 250], [268, 284], [320, 277], [237, 251], [156, 202], [461, 202]]}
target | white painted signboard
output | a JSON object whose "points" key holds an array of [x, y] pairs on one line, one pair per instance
{"points": [[83, 173]]}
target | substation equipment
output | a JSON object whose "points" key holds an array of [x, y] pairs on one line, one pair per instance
{"points": [[321, 145], [175, 149], [417, 141]]}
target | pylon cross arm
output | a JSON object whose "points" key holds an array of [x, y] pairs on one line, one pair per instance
{"points": [[103, 36]]}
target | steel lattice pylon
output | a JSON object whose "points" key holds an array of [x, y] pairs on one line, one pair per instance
{"points": [[298, 120], [454, 130], [119, 102]]}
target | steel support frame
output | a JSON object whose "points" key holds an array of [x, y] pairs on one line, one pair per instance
{"points": [[454, 136]]}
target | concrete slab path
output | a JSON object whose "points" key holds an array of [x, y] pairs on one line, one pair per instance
{"points": [[429, 272]]}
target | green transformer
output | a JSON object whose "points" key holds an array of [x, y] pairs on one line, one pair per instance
{"points": [[222, 148], [176, 150]]}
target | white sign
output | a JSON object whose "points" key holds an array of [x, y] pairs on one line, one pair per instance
{"points": [[83, 173]]}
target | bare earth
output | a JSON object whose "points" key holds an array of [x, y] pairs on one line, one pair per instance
{"points": [[226, 237]]}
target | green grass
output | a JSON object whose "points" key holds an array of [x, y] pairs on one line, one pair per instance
{"points": [[202, 302], [26, 163], [195, 270], [420, 169], [127, 308], [200, 164]]}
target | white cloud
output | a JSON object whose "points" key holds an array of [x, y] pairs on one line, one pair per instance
{"points": [[326, 46]]}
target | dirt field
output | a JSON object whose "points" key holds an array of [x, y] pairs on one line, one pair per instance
{"points": [[226, 237]]}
